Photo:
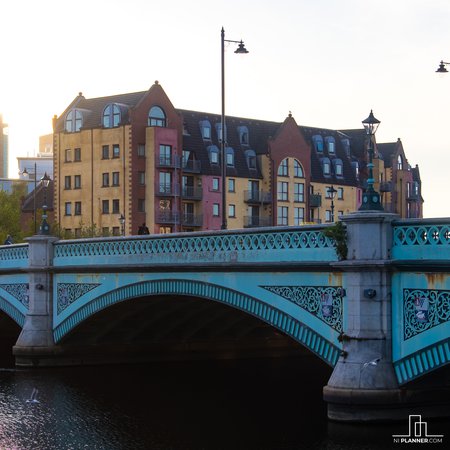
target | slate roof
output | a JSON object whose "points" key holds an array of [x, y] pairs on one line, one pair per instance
{"points": [[387, 150]]}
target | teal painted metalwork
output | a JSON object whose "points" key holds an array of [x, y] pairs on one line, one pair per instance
{"points": [[275, 317], [19, 291], [12, 256], [324, 302], [427, 239], [424, 309], [67, 293], [12, 311], [204, 247], [423, 361]]}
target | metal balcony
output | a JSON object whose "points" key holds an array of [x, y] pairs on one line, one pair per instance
{"points": [[191, 166], [385, 186], [165, 217], [259, 197], [172, 161], [315, 200], [191, 220], [192, 193], [257, 221], [167, 190]]}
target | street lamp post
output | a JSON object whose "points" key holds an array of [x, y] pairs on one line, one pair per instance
{"points": [[240, 50], [45, 227], [27, 174], [441, 68], [371, 198], [332, 193], [122, 224]]}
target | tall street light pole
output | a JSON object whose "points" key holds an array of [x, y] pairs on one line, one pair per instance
{"points": [[371, 198], [45, 227], [223, 160], [332, 193], [27, 174]]}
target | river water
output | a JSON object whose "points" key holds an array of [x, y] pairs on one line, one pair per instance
{"points": [[254, 404]]}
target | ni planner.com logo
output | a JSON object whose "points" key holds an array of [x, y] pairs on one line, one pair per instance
{"points": [[417, 433]]}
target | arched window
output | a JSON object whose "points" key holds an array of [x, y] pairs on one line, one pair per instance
{"points": [[298, 170], [331, 145], [338, 167], [283, 168], [213, 153], [346, 145], [243, 135], [205, 129], [111, 116], [399, 162], [318, 142], [326, 166], [250, 156], [74, 121], [230, 157], [156, 117]]}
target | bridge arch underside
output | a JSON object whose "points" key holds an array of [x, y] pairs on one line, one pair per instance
{"points": [[9, 333], [174, 319]]}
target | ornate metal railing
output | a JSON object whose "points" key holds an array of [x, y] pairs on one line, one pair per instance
{"points": [[421, 239], [13, 256], [281, 245]]}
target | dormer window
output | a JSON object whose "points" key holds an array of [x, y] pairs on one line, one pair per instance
{"points": [[243, 135], [318, 142], [219, 131], [156, 117], [346, 144], [331, 145], [283, 168], [111, 116], [298, 170], [213, 153], [205, 129], [338, 167], [326, 166], [355, 166], [230, 157], [250, 156], [74, 121]]}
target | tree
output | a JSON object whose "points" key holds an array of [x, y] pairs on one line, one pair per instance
{"points": [[10, 210]]}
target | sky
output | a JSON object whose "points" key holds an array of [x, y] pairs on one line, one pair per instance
{"points": [[329, 62]]}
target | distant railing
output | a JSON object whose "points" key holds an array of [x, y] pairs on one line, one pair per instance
{"points": [[12, 256]]}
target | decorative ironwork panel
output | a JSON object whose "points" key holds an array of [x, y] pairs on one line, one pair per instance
{"points": [[14, 255], [67, 293], [324, 302], [424, 309], [279, 240], [420, 235], [20, 291]]}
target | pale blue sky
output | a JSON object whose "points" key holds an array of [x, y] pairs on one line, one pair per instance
{"points": [[329, 62]]}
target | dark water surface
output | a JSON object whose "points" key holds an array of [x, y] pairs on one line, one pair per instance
{"points": [[247, 404]]}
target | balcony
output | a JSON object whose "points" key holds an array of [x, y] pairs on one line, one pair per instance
{"points": [[166, 217], [385, 186], [192, 166], [192, 193], [172, 162], [167, 190], [257, 221], [191, 220], [259, 197], [315, 200], [413, 197]]}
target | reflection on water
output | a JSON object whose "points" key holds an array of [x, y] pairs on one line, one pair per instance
{"points": [[251, 404]]}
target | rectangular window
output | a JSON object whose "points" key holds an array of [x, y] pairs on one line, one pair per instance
{"points": [[340, 213], [340, 193], [282, 216], [165, 183], [116, 231], [230, 159], [78, 208], [231, 185], [282, 191], [105, 152], [105, 179], [77, 155], [299, 216], [283, 168], [165, 155], [141, 178], [105, 206], [141, 150], [68, 209], [115, 206], [141, 205], [214, 157], [67, 182], [68, 155], [105, 231], [215, 184], [77, 232], [116, 151], [165, 230], [215, 209], [77, 182], [231, 210], [328, 215], [115, 178], [299, 192]]}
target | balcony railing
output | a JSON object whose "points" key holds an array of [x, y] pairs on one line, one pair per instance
{"points": [[192, 193], [191, 166], [167, 217], [257, 221], [254, 196], [191, 220], [315, 200], [385, 186], [167, 189], [172, 161]]}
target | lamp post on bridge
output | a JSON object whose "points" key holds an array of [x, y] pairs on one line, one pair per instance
{"points": [[27, 174], [122, 224], [441, 68], [332, 193], [45, 227], [371, 199], [240, 50]]}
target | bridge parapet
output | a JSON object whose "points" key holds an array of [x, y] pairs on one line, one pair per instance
{"points": [[14, 256], [305, 244]]}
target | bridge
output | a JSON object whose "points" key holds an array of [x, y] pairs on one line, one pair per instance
{"points": [[377, 313]]}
